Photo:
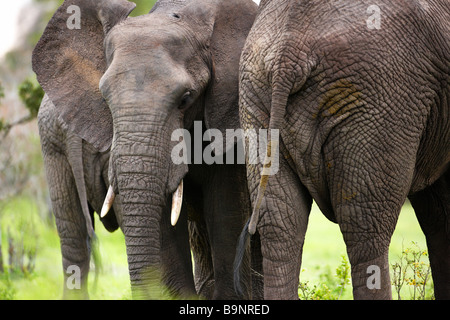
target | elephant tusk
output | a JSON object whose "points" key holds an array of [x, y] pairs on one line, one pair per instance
{"points": [[108, 202], [177, 202]]}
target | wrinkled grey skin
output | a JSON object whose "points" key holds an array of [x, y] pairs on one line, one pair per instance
{"points": [[77, 175], [156, 73], [364, 120]]}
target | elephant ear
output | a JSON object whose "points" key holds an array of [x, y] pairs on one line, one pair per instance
{"points": [[232, 23], [69, 62]]}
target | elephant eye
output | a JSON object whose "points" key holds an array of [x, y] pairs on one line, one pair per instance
{"points": [[185, 101], [175, 15]]}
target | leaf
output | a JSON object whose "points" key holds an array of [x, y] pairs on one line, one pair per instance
{"points": [[31, 95]]}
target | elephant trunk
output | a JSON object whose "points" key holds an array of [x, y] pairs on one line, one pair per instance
{"points": [[142, 209], [139, 173], [142, 237]]}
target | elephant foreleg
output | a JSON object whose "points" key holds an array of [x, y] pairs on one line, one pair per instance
{"points": [[71, 225], [226, 208], [176, 257], [70, 221]]}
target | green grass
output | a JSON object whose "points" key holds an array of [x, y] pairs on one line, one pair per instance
{"points": [[323, 251]]}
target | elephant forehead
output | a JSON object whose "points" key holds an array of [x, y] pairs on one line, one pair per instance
{"points": [[146, 30], [155, 45]]}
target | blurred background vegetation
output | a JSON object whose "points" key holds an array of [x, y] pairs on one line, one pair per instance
{"points": [[30, 259]]}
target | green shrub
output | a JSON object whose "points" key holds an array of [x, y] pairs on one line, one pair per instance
{"points": [[31, 94], [331, 287], [410, 277], [412, 274]]}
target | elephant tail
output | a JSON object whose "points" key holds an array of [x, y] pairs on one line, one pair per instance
{"points": [[288, 79], [243, 243], [278, 109]]}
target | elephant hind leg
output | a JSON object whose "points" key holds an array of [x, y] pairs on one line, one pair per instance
{"points": [[369, 175], [367, 224], [282, 227], [367, 240], [432, 207]]}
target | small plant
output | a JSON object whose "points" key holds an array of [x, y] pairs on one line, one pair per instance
{"points": [[21, 254], [331, 286], [413, 272], [7, 290], [343, 274], [305, 291]]}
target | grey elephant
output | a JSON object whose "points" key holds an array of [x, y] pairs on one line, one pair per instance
{"points": [[359, 91], [120, 87]]}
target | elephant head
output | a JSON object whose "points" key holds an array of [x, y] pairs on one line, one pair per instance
{"points": [[128, 83]]}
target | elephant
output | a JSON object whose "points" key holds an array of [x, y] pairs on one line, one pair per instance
{"points": [[358, 92], [77, 175], [119, 87]]}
